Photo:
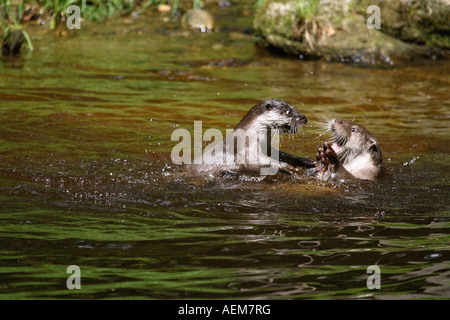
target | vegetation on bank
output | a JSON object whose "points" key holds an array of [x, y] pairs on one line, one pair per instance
{"points": [[14, 14], [52, 11], [11, 19]]}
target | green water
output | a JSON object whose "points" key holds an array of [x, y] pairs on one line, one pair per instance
{"points": [[86, 177]]}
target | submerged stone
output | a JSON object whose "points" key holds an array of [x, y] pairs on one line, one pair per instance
{"points": [[197, 19]]}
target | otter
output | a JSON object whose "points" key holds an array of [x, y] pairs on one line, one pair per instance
{"points": [[353, 153], [248, 148]]}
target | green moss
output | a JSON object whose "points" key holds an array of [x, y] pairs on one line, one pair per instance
{"points": [[438, 40], [307, 9], [275, 18], [337, 21], [338, 28]]}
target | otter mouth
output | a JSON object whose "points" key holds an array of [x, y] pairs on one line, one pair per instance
{"points": [[338, 141], [294, 125], [290, 128], [336, 146]]}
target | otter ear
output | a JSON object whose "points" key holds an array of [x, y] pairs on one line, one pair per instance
{"points": [[268, 106]]}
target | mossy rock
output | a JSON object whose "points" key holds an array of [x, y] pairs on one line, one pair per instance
{"points": [[199, 20], [424, 22], [337, 30]]}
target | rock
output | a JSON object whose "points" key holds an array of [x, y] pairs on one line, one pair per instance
{"points": [[12, 43], [197, 19], [419, 21], [337, 30], [164, 8]]}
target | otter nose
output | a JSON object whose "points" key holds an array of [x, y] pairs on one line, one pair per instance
{"points": [[302, 118]]}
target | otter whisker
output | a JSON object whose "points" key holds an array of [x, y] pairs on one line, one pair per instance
{"points": [[333, 139], [318, 132], [344, 157], [342, 140], [324, 121], [325, 129], [326, 126]]}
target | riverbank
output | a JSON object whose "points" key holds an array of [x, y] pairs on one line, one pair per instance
{"points": [[356, 31]]}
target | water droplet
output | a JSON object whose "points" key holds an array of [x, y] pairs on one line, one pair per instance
{"points": [[432, 256]]}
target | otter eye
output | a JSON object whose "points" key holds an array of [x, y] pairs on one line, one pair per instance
{"points": [[288, 112], [353, 129]]}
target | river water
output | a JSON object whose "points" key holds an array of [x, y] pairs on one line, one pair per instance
{"points": [[86, 177]]}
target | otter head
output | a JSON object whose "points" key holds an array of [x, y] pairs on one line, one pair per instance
{"points": [[353, 139], [273, 114]]}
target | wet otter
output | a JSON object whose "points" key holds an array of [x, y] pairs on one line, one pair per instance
{"points": [[248, 148], [352, 153]]}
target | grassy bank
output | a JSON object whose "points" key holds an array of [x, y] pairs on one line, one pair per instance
{"points": [[50, 12], [15, 14]]}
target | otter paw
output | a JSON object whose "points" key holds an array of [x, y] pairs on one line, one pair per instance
{"points": [[289, 169], [322, 161], [329, 154], [322, 158], [319, 156]]}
